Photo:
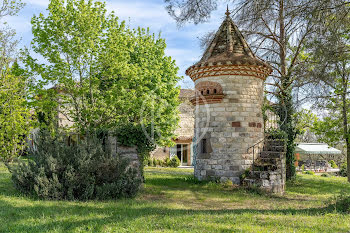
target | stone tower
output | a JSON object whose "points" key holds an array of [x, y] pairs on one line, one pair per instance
{"points": [[229, 83]]}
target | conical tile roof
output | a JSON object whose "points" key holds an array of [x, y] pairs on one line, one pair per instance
{"points": [[229, 48]]}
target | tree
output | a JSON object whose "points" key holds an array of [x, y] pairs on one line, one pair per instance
{"points": [[105, 75], [305, 122], [329, 56], [14, 113], [277, 30]]}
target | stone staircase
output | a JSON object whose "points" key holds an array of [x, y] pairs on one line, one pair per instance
{"points": [[268, 171]]}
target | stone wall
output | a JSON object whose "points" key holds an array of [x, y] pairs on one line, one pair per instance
{"points": [[185, 130], [229, 128], [129, 153], [186, 123], [161, 153]]}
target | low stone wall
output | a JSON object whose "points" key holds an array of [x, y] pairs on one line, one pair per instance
{"points": [[125, 152], [269, 181]]}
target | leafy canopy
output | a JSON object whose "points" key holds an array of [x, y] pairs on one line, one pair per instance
{"points": [[104, 75]]}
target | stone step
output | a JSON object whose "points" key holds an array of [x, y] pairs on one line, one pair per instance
{"points": [[269, 160], [259, 174], [271, 154], [250, 182], [274, 148], [268, 142]]}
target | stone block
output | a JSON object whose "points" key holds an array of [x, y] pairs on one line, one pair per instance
{"points": [[236, 124]]}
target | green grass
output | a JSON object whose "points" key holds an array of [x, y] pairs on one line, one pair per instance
{"points": [[171, 201]]}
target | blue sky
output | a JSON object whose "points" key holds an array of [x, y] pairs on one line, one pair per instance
{"points": [[182, 43]]}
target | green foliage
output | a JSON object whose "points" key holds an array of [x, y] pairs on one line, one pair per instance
{"points": [[302, 208], [167, 161], [106, 75], [309, 172], [341, 203], [275, 134], [305, 119], [174, 162], [227, 184], [153, 162], [333, 164], [245, 174], [286, 111], [82, 171], [15, 117], [303, 167], [343, 170]]}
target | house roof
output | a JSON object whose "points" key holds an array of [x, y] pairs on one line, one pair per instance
{"points": [[229, 46], [186, 93], [316, 148]]}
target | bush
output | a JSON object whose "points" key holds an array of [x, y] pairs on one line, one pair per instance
{"points": [[303, 167], [325, 175], [341, 203], [333, 164], [166, 162], [309, 172], [82, 171], [174, 162], [343, 170], [150, 162]]}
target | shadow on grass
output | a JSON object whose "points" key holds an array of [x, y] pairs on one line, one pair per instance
{"points": [[123, 215], [137, 215], [313, 185]]}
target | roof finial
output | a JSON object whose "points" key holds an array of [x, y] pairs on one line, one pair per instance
{"points": [[228, 11]]}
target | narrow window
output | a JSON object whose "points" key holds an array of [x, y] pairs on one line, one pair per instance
{"points": [[208, 92], [164, 149], [202, 92], [214, 91], [204, 146]]}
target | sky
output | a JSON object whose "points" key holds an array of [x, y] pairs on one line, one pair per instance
{"points": [[182, 43]]}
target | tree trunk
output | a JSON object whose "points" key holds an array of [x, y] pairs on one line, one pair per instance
{"points": [[285, 100], [345, 123]]}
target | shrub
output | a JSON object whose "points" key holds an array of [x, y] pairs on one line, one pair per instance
{"points": [[341, 203], [174, 162], [227, 184], [325, 175], [166, 162], [309, 172], [343, 170], [245, 174], [150, 162], [333, 164], [303, 167], [82, 171]]}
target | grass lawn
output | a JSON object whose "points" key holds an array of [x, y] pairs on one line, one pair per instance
{"points": [[171, 201]]}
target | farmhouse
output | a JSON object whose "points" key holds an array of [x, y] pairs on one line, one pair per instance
{"points": [[183, 148]]}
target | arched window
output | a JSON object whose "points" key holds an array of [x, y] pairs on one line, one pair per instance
{"points": [[208, 92], [214, 91]]}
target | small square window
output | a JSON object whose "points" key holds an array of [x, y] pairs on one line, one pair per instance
{"points": [[204, 146]]}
